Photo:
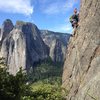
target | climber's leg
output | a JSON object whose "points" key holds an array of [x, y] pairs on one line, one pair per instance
{"points": [[75, 29]]}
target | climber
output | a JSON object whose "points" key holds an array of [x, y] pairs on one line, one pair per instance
{"points": [[74, 19]]}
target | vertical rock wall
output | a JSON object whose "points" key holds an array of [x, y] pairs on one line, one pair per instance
{"points": [[81, 73]]}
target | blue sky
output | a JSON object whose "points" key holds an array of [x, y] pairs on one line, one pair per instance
{"points": [[46, 14]]}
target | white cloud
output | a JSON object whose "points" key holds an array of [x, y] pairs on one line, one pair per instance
{"points": [[57, 6], [16, 6], [54, 8]]}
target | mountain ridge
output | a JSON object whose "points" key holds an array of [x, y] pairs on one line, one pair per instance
{"points": [[23, 45], [57, 43], [20, 47]]}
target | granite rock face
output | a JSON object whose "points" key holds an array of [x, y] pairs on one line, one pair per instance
{"points": [[81, 73], [23, 46], [57, 42], [57, 51], [7, 26]]}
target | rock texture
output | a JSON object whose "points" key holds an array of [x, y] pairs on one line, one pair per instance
{"points": [[57, 51], [57, 42], [81, 73], [7, 26], [22, 46]]}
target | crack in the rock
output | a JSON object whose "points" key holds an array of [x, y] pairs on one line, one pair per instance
{"points": [[92, 57]]}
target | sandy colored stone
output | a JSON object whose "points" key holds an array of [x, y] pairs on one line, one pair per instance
{"points": [[81, 73]]}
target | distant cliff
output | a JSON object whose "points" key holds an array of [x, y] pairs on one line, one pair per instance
{"points": [[21, 45], [57, 42], [81, 73]]}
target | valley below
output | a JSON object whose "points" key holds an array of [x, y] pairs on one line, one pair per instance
{"points": [[34, 59]]}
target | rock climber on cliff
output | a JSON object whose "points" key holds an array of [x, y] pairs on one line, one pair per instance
{"points": [[74, 19]]}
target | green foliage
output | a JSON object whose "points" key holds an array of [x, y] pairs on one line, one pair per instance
{"points": [[46, 81], [44, 91], [12, 87], [2, 63], [46, 71]]}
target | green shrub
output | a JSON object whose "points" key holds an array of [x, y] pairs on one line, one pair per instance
{"points": [[46, 83], [46, 91], [13, 87]]}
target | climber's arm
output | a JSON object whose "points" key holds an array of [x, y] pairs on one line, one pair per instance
{"points": [[71, 19]]}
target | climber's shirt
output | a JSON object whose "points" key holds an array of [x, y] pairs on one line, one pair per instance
{"points": [[74, 18]]}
